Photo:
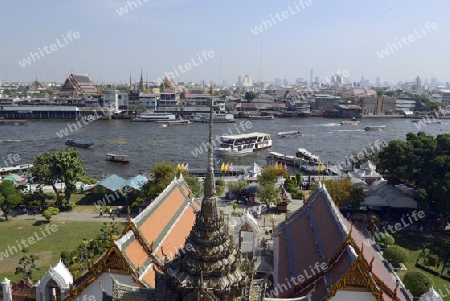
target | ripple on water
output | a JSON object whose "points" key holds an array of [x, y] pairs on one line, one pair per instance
{"points": [[146, 144]]}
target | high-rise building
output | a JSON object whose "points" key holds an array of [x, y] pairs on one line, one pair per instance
{"points": [[311, 76]]}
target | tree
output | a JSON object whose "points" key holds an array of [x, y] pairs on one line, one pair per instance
{"points": [[49, 212], [65, 166], [421, 162], [194, 184], [271, 175], [380, 93], [268, 191], [237, 187], [161, 175], [27, 266], [249, 96], [395, 254], [339, 190], [9, 197], [220, 186], [417, 282]]}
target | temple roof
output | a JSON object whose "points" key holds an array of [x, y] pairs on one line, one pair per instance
{"points": [[160, 230], [78, 85], [319, 248]]}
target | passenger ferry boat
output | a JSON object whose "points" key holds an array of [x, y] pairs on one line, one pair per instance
{"points": [[19, 169], [151, 117], [307, 156], [235, 145], [117, 158]]}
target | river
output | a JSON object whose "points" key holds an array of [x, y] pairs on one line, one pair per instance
{"points": [[148, 143]]}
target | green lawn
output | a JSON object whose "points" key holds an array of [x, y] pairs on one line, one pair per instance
{"points": [[64, 236], [413, 243]]}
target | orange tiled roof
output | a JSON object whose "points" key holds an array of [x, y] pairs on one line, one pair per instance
{"points": [[163, 225]]}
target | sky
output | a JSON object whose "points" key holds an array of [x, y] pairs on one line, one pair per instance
{"points": [[220, 40]]}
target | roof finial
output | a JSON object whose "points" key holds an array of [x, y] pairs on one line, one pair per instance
{"points": [[210, 189]]}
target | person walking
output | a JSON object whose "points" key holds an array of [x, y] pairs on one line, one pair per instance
{"points": [[101, 213]]}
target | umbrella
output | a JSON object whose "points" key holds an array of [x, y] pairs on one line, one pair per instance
{"points": [[11, 177]]}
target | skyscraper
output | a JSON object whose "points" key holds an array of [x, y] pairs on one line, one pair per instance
{"points": [[311, 75]]}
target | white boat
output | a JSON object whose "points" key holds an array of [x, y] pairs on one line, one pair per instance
{"points": [[374, 127], [150, 117], [198, 118], [235, 145], [18, 169], [217, 117], [307, 156], [350, 122], [289, 134], [283, 158]]}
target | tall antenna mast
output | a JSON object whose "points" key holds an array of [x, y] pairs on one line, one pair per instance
{"points": [[220, 80], [260, 66]]}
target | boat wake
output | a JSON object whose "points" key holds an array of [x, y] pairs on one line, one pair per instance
{"points": [[10, 140], [330, 124], [356, 130]]}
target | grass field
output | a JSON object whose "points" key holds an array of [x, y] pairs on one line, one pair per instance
{"points": [[62, 236], [413, 242]]}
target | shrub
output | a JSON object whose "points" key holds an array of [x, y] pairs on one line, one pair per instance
{"points": [[65, 257], [50, 212], [298, 176], [375, 219], [395, 254], [417, 282], [220, 186], [385, 239], [433, 260]]}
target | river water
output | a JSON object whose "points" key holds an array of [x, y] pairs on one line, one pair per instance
{"points": [[148, 143]]}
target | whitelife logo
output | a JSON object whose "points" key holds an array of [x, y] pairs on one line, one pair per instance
{"points": [[34, 56], [11, 250], [187, 66], [266, 24], [131, 5], [404, 41]]}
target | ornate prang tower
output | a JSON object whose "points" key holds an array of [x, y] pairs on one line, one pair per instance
{"points": [[208, 266], [141, 83]]}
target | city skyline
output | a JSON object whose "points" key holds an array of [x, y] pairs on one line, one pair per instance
{"points": [[204, 41]]}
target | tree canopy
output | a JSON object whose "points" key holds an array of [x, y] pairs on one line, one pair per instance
{"points": [[249, 96], [268, 191], [422, 162], [65, 166], [417, 282], [9, 197], [161, 175]]}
